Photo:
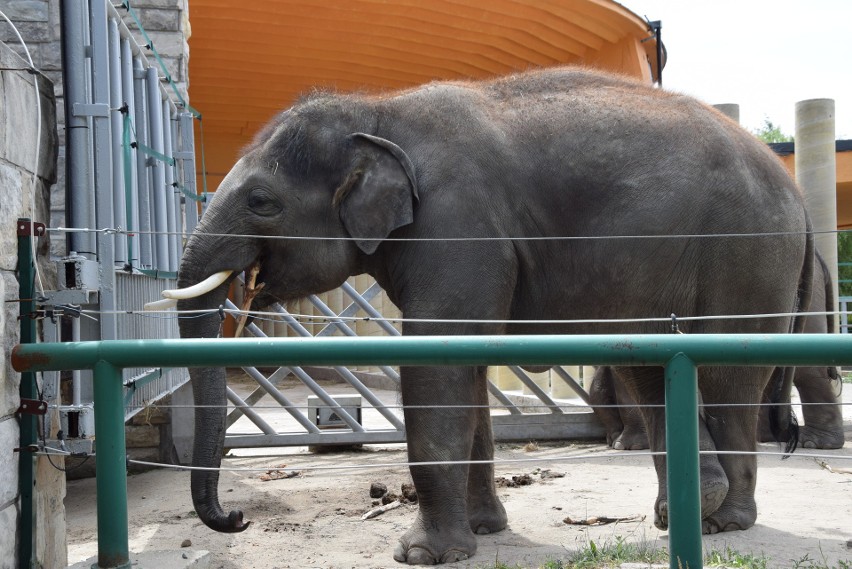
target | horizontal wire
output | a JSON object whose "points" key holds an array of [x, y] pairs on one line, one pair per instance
{"points": [[121, 231], [495, 462], [494, 406], [322, 320]]}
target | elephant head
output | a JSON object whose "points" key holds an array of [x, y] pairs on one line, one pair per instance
{"points": [[310, 201]]}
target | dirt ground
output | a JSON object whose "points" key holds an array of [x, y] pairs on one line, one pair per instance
{"points": [[314, 519]]}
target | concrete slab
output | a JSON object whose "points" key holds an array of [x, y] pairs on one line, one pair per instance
{"points": [[183, 559]]}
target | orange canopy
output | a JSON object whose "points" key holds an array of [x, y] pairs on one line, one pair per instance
{"points": [[249, 60]]}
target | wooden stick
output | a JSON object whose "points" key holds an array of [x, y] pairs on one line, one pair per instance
{"points": [[251, 291]]}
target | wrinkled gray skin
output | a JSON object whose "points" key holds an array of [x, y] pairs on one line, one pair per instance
{"points": [[820, 386], [562, 152]]}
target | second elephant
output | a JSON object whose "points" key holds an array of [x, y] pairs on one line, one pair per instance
{"points": [[819, 390]]}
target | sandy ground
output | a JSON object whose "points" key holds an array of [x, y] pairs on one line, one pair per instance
{"points": [[313, 520]]}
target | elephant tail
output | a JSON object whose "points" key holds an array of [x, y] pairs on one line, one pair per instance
{"points": [[830, 307], [782, 420]]}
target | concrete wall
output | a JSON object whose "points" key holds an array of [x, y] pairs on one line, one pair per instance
{"points": [[25, 180]]}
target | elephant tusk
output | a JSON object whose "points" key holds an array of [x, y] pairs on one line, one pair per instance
{"points": [[197, 290], [164, 304]]}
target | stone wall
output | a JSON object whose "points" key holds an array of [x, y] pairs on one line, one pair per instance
{"points": [[38, 22], [27, 171]]}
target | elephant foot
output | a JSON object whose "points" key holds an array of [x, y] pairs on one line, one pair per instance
{"points": [[631, 439], [714, 490], [730, 518], [813, 437], [431, 543], [485, 520]]}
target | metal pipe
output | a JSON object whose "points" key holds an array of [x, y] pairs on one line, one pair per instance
{"points": [[27, 390], [146, 252], [344, 373], [172, 194], [158, 171], [187, 157], [552, 406], [132, 216], [111, 463], [347, 331], [682, 463], [102, 161], [80, 199], [119, 209], [250, 413], [679, 353], [636, 350], [76, 374]]}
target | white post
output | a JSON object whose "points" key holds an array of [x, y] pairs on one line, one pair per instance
{"points": [[816, 173], [730, 110]]}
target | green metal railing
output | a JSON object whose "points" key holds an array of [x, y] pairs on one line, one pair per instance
{"points": [[680, 354]]}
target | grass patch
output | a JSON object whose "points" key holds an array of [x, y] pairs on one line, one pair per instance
{"points": [[611, 554]]}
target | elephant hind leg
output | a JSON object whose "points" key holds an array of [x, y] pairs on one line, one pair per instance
{"points": [[646, 386]]}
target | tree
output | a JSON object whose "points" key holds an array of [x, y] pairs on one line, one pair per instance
{"points": [[770, 133]]}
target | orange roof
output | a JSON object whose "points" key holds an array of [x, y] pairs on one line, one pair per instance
{"points": [[249, 60]]}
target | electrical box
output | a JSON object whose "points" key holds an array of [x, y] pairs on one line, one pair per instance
{"points": [[325, 417], [78, 273], [77, 422]]}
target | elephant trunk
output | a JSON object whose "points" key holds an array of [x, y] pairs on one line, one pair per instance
{"points": [[208, 386]]}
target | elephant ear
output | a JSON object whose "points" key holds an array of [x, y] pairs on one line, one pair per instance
{"points": [[379, 194]]}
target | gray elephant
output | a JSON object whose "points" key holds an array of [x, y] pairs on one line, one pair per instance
{"points": [[484, 202], [819, 388]]}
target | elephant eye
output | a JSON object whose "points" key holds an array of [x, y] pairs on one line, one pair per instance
{"points": [[263, 202]]}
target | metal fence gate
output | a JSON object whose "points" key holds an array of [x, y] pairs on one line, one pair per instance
{"points": [[131, 195], [358, 406]]}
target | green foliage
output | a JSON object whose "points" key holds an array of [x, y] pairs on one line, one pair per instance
{"points": [[770, 132], [730, 558], [611, 554], [807, 563], [844, 255]]}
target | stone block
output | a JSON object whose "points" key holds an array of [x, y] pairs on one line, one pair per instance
{"points": [[9, 439], [168, 44], [9, 537], [26, 11], [20, 125], [158, 20], [9, 335], [142, 436], [51, 541], [32, 33], [11, 204], [164, 4]]}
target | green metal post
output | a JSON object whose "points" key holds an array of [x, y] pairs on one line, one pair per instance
{"points": [[111, 463], [28, 390], [682, 464]]}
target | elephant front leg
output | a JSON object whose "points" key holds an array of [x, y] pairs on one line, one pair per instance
{"points": [[440, 426], [734, 428], [485, 512]]}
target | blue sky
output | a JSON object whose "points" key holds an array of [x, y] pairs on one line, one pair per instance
{"points": [[765, 55]]}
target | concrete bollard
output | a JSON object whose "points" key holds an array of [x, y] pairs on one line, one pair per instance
{"points": [[730, 110], [816, 173]]}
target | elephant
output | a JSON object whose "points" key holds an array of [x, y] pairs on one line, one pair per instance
{"points": [[482, 206], [819, 388]]}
